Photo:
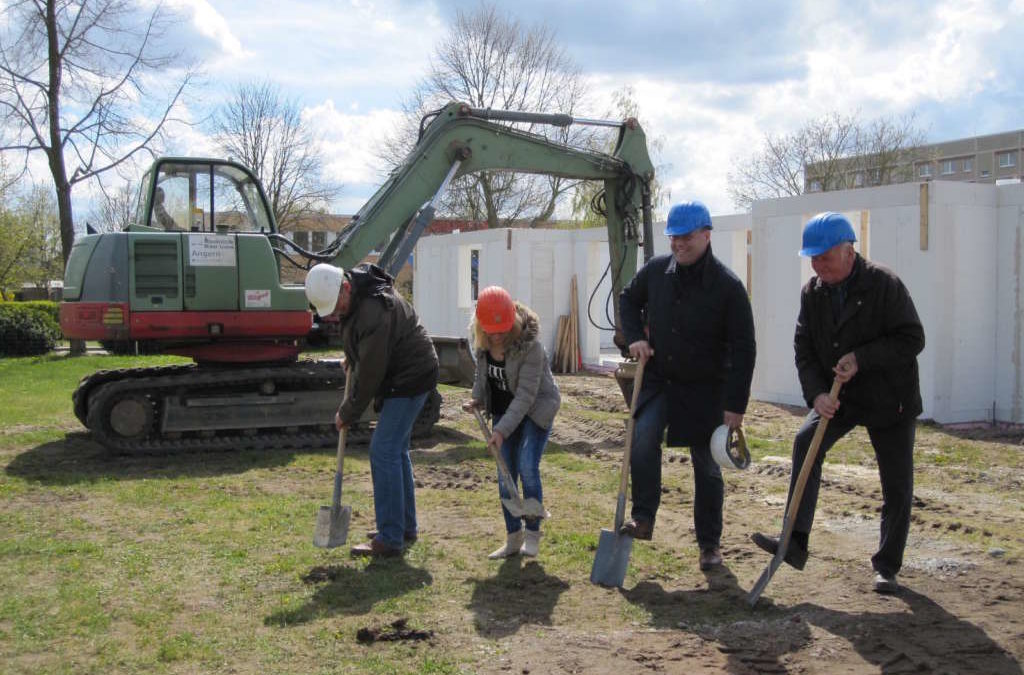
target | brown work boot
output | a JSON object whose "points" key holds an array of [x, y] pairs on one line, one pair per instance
{"points": [[376, 548], [710, 557], [638, 529]]}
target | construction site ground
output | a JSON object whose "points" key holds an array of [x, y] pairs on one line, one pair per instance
{"points": [[204, 563]]}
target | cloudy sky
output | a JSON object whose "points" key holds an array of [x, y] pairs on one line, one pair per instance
{"points": [[711, 78]]}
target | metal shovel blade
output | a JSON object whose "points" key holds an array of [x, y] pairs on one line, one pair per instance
{"points": [[331, 526], [612, 559]]}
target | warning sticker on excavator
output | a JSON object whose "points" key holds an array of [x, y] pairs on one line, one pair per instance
{"points": [[257, 298], [211, 250]]}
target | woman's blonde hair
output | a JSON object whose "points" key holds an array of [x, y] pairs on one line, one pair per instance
{"points": [[478, 338]]}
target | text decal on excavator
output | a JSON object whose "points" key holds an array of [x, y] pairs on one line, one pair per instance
{"points": [[211, 250]]}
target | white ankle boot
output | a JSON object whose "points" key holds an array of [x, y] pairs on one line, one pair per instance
{"points": [[531, 543], [513, 542]]}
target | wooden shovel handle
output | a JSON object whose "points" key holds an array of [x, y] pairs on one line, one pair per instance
{"points": [[812, 453], [638, 380]]}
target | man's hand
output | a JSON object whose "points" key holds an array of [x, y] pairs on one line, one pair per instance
{"points": [[825, 406], [732, 420], [496, 440], [469, 406], [338, 424], [641, 349], [846, 367]]}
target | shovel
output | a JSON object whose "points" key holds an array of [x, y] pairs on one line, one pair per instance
{"points": [[789, 519], [332, 521], [517, 508], [613, 548]]}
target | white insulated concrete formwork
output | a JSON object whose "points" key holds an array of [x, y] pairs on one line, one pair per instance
{"points": [[536, 266], [959, 256], [967, 283]]}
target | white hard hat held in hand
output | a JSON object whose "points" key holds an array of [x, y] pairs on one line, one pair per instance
{"points": [[323, 283], [729, 448]]}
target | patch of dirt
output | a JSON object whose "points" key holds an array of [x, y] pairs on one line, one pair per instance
{"points": [[398, 630], [959, 610]]}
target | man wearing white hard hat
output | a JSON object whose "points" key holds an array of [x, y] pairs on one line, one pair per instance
{"points": [[393, 365], [857, 325]]}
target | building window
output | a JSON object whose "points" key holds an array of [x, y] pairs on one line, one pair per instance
{"points": [[469, 275], [875, 176], [947, 167], [968, 165], [858, 179], [924, 171], [319, 240], [985, 173], [301, 239], [1007, 159], [815, 186]]}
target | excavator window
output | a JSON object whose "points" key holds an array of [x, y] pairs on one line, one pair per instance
{"points": [[205, 197]]}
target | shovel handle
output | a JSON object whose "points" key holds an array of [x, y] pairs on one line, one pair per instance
{"points": [[620, 507], [789, 520], [504, 475], [339, 471]]}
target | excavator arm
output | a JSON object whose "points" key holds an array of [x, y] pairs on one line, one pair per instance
{"points": [[461, 140]]}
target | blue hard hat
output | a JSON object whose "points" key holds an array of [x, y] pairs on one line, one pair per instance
{"points": [[686, 217], [824, 231]]}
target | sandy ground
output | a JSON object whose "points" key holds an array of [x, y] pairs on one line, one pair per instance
{"points": [[960, 609]]}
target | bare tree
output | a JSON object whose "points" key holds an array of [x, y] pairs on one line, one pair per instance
{"points": [[115, 210], [265, 131], [624, 106], [834, 152], [87, 83], [489, 60]]}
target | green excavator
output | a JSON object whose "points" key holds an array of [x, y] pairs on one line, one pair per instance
{"points": [[201, 278]]}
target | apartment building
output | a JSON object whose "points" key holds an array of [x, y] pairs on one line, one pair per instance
{"points": [[978, 159]]}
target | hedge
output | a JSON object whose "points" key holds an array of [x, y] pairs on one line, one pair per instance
{"points": [[28, 328]]}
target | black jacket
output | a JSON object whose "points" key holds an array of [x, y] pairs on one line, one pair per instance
{"points": [[879, 324], [390, 352], [702, 331]]}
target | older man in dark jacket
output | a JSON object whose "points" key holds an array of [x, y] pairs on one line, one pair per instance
{"points": [[392, 362], [690, 316], [857, 324]]}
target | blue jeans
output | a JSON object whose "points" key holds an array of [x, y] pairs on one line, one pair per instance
{"points": [[521, 452], [645, 469], [394, 499]]}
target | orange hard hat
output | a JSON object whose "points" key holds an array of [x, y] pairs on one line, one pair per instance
{"points": [[495, 311]]}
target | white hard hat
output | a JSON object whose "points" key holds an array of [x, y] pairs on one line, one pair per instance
{"points": [[729, 448], [323, 283]]}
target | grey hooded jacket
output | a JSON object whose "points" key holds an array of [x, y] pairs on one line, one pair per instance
{"points": [[535, 394]]}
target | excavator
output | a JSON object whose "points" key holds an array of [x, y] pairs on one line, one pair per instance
{"points": [[197, 273]]}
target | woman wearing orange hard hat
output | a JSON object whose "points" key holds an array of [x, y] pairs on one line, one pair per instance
{"points": [[514, 384]]}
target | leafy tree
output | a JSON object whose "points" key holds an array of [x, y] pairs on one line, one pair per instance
{"points": [[489, 60], [833, 152], [29, 241], [265, 131], [87, 83]]}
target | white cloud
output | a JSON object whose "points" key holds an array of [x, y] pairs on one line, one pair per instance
{"points": [[211, 24], [349, 140]]}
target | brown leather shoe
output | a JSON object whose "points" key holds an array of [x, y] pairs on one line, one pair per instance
{"points": [[710, 557], [377, 549], [410, 537], [638, 529]]}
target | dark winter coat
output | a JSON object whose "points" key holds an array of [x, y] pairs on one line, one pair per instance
{"points": [[390, 352], [879, 324], [701, 328], [535, 394]]}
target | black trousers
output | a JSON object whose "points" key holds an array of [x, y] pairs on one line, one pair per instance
{"points": [[894, 452]]}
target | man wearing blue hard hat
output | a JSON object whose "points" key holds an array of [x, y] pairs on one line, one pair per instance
{"points": [[857, 325], [688, 316]]}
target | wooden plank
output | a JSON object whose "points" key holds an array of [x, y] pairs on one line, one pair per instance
{"points": [[923, 202]]}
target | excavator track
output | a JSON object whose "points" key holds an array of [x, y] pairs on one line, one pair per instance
{"points": [[169, 409]]}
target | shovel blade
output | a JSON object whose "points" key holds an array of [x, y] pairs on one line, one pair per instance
{"points": [[332, 526], [612, 559], [532, 508]]}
